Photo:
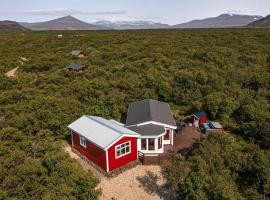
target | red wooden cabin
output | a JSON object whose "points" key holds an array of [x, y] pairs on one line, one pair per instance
{"points": [[107, 144]]}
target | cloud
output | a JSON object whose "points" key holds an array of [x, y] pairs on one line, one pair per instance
{"points": [[63, 11]]}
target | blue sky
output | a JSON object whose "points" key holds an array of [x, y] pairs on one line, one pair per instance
{"points": [[166, 11]]}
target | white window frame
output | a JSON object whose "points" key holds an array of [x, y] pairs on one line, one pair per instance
{"points": [[83, 141], [118, 147]]}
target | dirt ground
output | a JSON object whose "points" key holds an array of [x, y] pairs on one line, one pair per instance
{"points": [[12, 72], [139, 183]]}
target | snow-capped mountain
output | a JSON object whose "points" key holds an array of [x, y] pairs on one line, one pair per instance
{"points": [[221, 21], [124, 25]]}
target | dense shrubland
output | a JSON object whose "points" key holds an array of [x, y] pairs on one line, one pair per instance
{"points": [[221, 167], [225, 72]]}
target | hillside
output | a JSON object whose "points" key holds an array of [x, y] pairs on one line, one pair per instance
{"points": [[262, 23], [63, 23], [223, 72], [11, 26], [222, 21]]}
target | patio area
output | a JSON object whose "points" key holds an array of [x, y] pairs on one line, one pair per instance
{"points": [[182, 143]]}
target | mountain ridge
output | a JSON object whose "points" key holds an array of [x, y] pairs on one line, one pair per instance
{"points": [[72, 23], [221, 21], [62, 23], [264, 22], [8, 25]]}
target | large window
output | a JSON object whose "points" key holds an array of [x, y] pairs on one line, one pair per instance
{"points": [[122, 149], [143, 144], [160, 142], [151, 144], [167, 135], [83, 141]]}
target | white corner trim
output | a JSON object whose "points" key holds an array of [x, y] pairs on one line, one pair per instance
{"points": [[107, 162], [71, 135]]}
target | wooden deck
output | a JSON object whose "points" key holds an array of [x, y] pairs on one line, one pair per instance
{"points": [[184, 141], [182, 145]]}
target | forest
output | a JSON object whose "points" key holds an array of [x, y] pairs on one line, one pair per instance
{"points": [[225, 72]]}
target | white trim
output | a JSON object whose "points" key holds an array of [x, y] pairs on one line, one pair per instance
{"points": [[122, 136], [71, 134], [115, 149], [107, 162], [151, 136], [157, 123]]}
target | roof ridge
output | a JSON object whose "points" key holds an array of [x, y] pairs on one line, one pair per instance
{"points": [[150, 113], [93, 118]]}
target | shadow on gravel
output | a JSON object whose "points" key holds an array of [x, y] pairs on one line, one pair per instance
{"points": [[150, 184]]}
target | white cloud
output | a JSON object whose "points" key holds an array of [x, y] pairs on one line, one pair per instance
{"points": [[63, 11]]}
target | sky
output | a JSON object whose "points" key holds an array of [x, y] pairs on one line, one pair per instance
{"points": [[164, 11]]}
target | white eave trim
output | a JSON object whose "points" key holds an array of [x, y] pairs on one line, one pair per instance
{"points": [[119, 138], [152, 136], [156, 123]]}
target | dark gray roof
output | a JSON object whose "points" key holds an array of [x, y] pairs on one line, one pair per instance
{"points": [[200, 114], [75, 67], [149, 110], [148, 130]]}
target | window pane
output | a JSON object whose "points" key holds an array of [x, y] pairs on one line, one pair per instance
{"points": [[151, 144], [167, 135], [127, 149], [82, 141], [143, 144], [123, 151], [118, 153]]}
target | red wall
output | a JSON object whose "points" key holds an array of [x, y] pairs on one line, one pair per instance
{"points": [[92, 152], [118, 162], [203, 120]]}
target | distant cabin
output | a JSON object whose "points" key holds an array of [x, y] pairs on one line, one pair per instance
{"points": [[78, 54], [59, 36], [199, 118], [75, 67]]}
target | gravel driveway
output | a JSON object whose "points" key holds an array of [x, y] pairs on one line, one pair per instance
{"points": [[139, 183]]}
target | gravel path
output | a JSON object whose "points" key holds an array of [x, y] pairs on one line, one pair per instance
{"points": [[139, 183]]}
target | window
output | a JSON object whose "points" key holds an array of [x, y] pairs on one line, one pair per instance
{"points": [[83, 141], [122, 149], [143, 144], [167, 135], [160, 142], [151, 144]]}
